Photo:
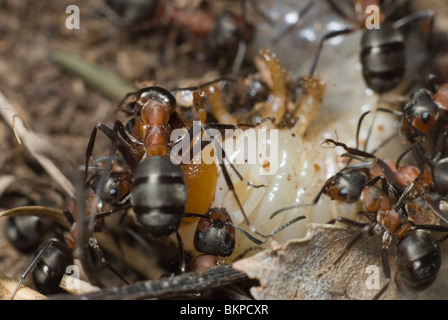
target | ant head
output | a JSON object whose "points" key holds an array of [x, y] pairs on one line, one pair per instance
{"points": [[147, 96], [420, 112], [215, 233], [115, 187], [346, 185]]}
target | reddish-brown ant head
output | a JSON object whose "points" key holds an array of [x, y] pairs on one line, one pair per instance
{"points": [[155, 104], [215, 234], [346, 185], [420, 112]]}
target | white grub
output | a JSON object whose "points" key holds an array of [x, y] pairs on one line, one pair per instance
{"points": [[303, 164]]}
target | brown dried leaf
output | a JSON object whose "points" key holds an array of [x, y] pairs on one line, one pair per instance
{"points": [[304, 268]]}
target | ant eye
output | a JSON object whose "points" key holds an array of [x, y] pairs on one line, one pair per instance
{"points": [[426, 116], [343, 192]]}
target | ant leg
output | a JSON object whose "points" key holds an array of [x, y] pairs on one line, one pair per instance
{"points": [[326, 37], [245, 252], [122, 145], [52, 242], [316, 199], [365, 228], [428, 14], [435, 208], [250, 184], [93, 243], [295, 25], [388, 173], [124, 204], [358, 130], [417, 153], [181, 252]]}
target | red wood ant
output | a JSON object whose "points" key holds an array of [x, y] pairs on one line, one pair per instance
{"points": [[222, 33], [57, 254], [418, 254], [160, 186], [383, 55]]}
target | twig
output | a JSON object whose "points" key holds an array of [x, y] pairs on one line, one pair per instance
{"points": [[7, 286], [170, 286], [35, 144]]}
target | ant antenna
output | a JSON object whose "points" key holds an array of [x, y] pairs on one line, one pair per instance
{"points": [[319, 49], [296, 24]]}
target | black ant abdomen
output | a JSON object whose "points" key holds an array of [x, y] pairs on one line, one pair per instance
{"points": [[383, 58], [159, 195], [419, 259], [26, 233]]}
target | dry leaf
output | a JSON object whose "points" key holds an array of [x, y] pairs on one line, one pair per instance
{"points": [[304, 269]]}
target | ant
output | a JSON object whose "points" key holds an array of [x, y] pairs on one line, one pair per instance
{"points": [[358, 181], [221, 32], [159, 187], [383, 56], [26, 233], [56, 255], [421, 112], [418, 254]]}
